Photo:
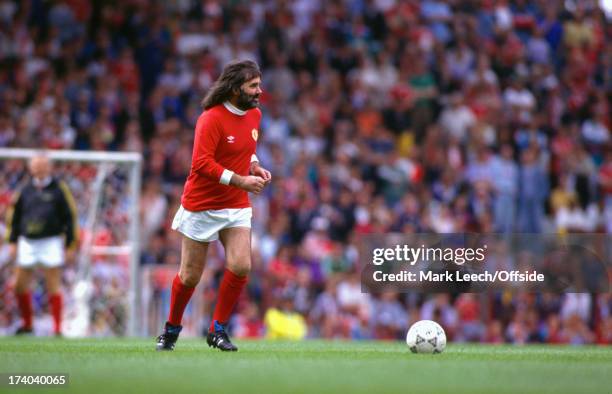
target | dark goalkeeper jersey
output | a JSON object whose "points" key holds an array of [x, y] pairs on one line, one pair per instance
{"points": [[43, 212]]}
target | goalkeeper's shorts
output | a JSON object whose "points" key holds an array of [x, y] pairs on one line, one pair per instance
{"points": [[48, 252], [204, 226]]}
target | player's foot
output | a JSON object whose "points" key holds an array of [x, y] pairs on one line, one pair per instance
{"points": [[167, 339], [219, 339], [24, 331]]}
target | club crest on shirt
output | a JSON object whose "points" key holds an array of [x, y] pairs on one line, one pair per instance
{"points": [[255, 134], [230, 139]]}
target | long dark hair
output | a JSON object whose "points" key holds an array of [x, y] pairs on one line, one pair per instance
{"points": [[233, 76]]}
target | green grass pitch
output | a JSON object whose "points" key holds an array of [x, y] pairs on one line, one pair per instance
{"points": [[133, 366]]}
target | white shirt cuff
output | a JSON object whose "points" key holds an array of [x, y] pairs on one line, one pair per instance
{"points": [[226, 177], [254, 158]]}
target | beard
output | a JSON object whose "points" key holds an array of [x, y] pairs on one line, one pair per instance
{"points": [[247, 101]]}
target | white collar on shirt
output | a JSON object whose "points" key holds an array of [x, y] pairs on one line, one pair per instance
{"points": [[42, 183], [233, 109]]}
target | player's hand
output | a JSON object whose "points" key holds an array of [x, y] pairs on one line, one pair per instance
{"points": [[12, 252], [253, 184], [71, 255], [262, 172]]}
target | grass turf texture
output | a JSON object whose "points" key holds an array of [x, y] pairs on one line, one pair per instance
{"points": [[132, 365]]}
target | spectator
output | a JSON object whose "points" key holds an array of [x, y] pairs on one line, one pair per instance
{"points": [[506, 184], [283, 322], [531, 194]]}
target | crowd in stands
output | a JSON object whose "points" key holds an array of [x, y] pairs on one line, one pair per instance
{"points": [[378, 116]]}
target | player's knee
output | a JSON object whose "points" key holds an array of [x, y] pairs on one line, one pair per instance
{"points": [[22, 282], [21, 287], [188, 278], [240, 267]]}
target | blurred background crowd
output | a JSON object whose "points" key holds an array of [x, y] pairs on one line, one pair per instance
{"points": [[378, 116]]}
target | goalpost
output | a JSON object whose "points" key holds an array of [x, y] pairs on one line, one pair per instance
{"points": [[106, 187]]}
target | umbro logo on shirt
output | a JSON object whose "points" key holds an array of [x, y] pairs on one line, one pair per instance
{"points": [[230, 139]]}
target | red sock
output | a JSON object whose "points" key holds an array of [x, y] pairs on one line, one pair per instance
{"points": [[55, 303], [181, 295], [24, 300], [229, 290]]}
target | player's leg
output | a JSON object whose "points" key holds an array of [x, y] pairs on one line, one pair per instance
{"points": [[53, 281], [23, 277], [25, 262], [237, 244], [51, 255], [193, 260]]}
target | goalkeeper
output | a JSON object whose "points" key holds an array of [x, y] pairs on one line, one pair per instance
{"points": [[41, 222]]}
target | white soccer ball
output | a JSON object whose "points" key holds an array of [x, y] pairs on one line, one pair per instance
{"points": [[426, 336]]}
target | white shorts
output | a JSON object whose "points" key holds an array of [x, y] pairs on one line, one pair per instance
{"points": [[48, 252], [204, 226]]}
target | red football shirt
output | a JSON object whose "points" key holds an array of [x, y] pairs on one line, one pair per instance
{"points": [[225, 138]]}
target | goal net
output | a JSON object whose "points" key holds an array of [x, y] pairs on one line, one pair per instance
{"points": [[100, 288]]}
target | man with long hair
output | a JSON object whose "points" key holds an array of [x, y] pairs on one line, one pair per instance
{"points": [[215, 204]]}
